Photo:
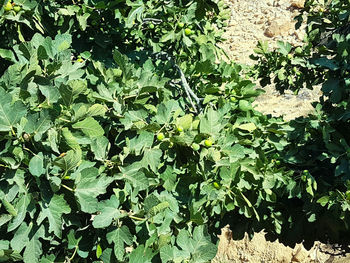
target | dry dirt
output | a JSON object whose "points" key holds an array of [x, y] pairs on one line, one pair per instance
{"points": [[269, 20], [258, 250]]}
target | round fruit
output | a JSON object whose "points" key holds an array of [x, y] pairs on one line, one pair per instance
{"points": [[160, 136], [233, 99], [8, 6], [216, 185], [298, 51], [244, 105], [151, 26], [188, 31], [290, 56], [195, 146], [180, 25], [180, 129], [208, 143], [278, 162], [17, 8], [117, 72], [306, 172], [303, 178], [80, 60]]}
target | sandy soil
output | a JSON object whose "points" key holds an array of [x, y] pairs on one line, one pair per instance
{"points": [[269, 20], [258, 250]]}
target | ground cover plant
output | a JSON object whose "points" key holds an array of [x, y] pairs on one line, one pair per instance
{"points": [[124, 136], [319, 143]]}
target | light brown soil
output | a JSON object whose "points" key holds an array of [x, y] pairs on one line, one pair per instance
{"points": [[268, 20], [258, 250]]}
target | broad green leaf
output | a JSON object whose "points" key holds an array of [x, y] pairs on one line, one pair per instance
{"points": [[141, 254], [210, 124], [70, 92], [100, 147], [33, 248], [247, 127], [10, 113], [119, 237], [21, 208], [90, 127], [53, 210], [69, 161], [38, 124], [109, 211], [152, 159], [21, 236], [89, 187], [36, 165]]}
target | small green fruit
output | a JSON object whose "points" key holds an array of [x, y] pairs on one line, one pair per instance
{"points": [[244, 105], [180, 129], [278, 162], [188, 31], [208, 143], [8, 7], [151, 26], [216, 185], [233, 99], [195, 146], [306, 172], [298, 51], [160, 136], [180, 25], [290, 56], [80, 60], [17, 8], [118, 72]]}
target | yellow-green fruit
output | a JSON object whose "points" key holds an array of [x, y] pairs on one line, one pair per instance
{"points": [[17, 8], [298, 51], [151, 26], [290, 56], [160, 136], [208, 143], [188, 31], [80, 60], [244, 105], [180, 25], [195, 146], [233, 99], [216, 185], [8, 6], [117, 72], [278, 162], [180, 129]]}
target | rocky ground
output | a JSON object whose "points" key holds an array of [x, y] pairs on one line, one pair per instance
{"points": [[268, 20]]}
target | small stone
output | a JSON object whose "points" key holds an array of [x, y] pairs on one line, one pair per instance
{"points": [[297, 3]]}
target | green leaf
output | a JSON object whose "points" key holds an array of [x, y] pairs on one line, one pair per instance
{"points": [[71, 91], [21, 208], [53, 210], [36, 165], [152, 158], [109, 211], [33, 249], [69, 161], [10, 113], [210, 124], [38, 124], [141, 254], [89, 187], [119, 237], [90, 127], [247, 127]]}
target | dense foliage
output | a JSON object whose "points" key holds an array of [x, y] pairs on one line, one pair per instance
{"points": [[125, 137], [320, 142]]}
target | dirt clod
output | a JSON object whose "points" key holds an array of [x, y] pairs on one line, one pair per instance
{"points": [[259, 250]]}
